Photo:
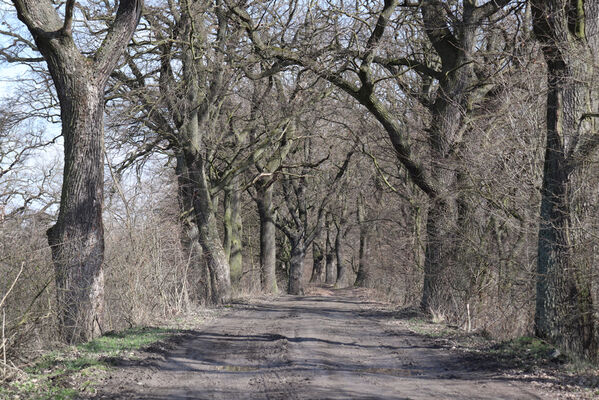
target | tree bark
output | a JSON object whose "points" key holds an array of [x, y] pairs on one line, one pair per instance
{"points": [[330, 268], [233, 231], [268, 245], [567, 32], [296, 268], [205, 218], [445, 133], [363, 278], [198, 275], [437, 257], [190, 139], [317, 262], [77, 238], [342, 269]]}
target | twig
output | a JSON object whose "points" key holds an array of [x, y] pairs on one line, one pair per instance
{"points": [[12, 285], [4, 342]]}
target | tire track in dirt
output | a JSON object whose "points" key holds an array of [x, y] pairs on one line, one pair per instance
{"points": [[310, 347]]}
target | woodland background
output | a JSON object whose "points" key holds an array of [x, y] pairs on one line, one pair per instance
{"points": [[442, 153]]}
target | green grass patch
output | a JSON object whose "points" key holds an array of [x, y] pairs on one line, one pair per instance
{"points": [[64, 375], [132, 339], [532, 346], [424, 327], [527, 350]]}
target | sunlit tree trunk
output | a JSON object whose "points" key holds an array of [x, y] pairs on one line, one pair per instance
{"points": [[567, 31], [77, 238], [197, 274], [268, 245]]}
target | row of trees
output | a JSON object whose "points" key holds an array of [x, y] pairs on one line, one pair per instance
{"points": [[341, 123]]}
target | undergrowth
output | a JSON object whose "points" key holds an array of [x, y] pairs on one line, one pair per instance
{"points": [[65, 374]]}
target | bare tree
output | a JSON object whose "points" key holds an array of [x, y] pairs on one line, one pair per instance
{"points": [[77, 238], [446, 88], [567, 31]]}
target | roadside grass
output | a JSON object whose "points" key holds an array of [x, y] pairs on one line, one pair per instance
{"points": [[527, 351], [523, 358], [68, 373], [521, 352]]}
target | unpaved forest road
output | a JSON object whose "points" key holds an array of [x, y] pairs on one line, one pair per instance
{"points": [[312, 347]]}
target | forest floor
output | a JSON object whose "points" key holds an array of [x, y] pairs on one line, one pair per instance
{"points": [[336, 344], [329, 344]]}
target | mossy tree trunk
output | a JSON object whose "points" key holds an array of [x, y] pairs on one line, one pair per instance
{"points": [[233, 229]]}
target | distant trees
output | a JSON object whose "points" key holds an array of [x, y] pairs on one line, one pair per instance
{"points": [[436, 74], [176, 87]]}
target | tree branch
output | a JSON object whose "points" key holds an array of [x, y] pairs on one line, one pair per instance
{"points": [[488, 9], [118, 36], [39, 16], [441, 37], [68, 17]]}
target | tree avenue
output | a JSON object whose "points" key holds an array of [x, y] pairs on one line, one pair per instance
{"points": [[442, 154]]}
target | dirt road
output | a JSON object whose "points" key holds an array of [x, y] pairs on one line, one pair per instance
{"points": [[314, 347]]}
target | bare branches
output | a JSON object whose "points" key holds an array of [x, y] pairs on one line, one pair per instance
{"points": [[488, 9], [412, 64], [379, 30], [364, 93], [119, 34], [437, 30], [579, 153], [68, 17], [39, 16]]}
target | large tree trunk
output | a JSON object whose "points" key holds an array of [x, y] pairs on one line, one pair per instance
{"points": [[342, 269], [437, 258], [198, 276], [203, 205], [317, 262], [296, 269], [77, 238], [564, 307], [233, 231], [445, 133], [330, 267], [557, 314], [268, 244], [363, 278], [205, 218]]}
